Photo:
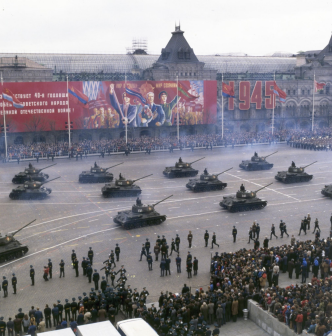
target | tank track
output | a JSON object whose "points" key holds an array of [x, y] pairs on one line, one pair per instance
{"points": [[15, 253], [121, 193], [172, 174], [141, 222], [255, 167], [207, 187], [95, 179], [25, 196], [243, 207], [21, 180], [294, 179]]}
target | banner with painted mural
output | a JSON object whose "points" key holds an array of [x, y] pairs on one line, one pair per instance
{"points": [[35, 107]]}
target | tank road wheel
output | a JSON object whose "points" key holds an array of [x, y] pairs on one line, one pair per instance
{"points": [[18, 254], [2, 259]]}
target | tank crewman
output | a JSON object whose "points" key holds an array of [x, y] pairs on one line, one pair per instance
{"points": [[273, 232], [60, 307], [195, 266], [206, 237], [206, 172], [50, 267], [90, 255], [303, 227], [258, 230], [308, 221], [189, 269], [89, 272], [84, 265], [162, 267], [285, 229], [95, 279], [214, 240], [158, 241], [32, 275], [75, 263], [67, 310], [250, 235], [234, 233], [178, 263], [190, 238], [112, 274], [150, 261], [62, 268], [293, 164], [14, 283], [163, 240], [74, 306], [316, 226], [4, 286], [180, 160], [103, 284], [147, 246], [73, 257], [266, 242], [177, 242], [168, 266], [142, 252], [156, 251], [255, 154], [242, 188], [172, 246], [117, 252]]}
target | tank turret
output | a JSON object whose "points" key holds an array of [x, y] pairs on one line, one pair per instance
{"points": [[294, 174], [212, 177], [246, 194], [257, 158], [327, 190], [181, 164], [257, 163], [293, 169], [10, 248], [140, 215], [122, 181], [32, 172], [181, 169], [97, 174]]}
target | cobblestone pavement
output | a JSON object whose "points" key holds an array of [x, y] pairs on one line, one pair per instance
{"points": [[75, 216]]}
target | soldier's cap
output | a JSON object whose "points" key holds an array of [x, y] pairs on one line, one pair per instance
{"points": [[103, 277], [163, 236], [234, 226], [19, 309], [73, 299], [66, 300], [4, 277], [144, 287], [61, 260], [147, 238], [162, 93], [90, 248], [31, 266], [117, 244], [158, 236], [1, 318], [92, 290], [59, 301], [13, 274], [122, 265], [135, 288], [49, 259], [95, 270], [84, 294], [84, 258], [73, 250]]}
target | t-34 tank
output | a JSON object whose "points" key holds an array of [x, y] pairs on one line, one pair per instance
{"points": [[31, 190], [181, 169], [32, 172], [10, 248], [327, 190], [122, 187], [257, 163], [244, 200], [207, 182], [140, 215], [294, 174], [97, 175]]}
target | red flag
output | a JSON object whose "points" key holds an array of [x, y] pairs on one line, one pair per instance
{"points": [[281, 94], [319, 86], [184, 94], [227, 91]]}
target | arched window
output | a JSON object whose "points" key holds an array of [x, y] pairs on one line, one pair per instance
{"points": [[180, 53], [187, 54]]}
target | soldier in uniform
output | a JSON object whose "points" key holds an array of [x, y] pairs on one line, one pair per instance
{"points": [[273, 232], [281, 227], [147, 246], [172, 246], [67, 310], [62, 268], [89, 272], [32, 275], [195, 266], [158, 241], [3, 327], [234, 233], [167, 107], [75, 263], [178, 263], [266, 242], [168, 266], [206, 237], [84, 265], [112, 274], [303, 227], [74, 306], [117, 252], [73, 257], [60, 307], [149, 260], [162, 267], [308, 221], [90, 255], [214, 240], [14, 283], [144, 293], [190, 238], [103, 284], [177, 242], [142, 252], [189, 257], [258, 230], [4, 286], [50, 268], [189, 269], [156, 251], [163, 240], [316, 226], [95, 279]]}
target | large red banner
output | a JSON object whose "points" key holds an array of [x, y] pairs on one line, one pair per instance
{"points": [[92, 105]]}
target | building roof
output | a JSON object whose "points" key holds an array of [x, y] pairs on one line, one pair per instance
{"points": [[115, 63]]}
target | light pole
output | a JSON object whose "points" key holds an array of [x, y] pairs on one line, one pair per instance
{"points": [[69, 142], [177, 107], [4, 118]]}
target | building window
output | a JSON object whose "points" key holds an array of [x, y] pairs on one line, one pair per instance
{"points": [[189, 73], [185, 74], [308, 92], [327, 89], [194, 73], [303, 92], [294, 92], [288, 92], [180, 53]]}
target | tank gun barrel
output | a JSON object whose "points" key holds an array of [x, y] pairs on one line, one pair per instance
{"points": [[309, 164], [197, 160], [142, 177], [263, 187], [22, 228], [270, 154], [50, 180], [162, 200], [224, 171], [114, 166], [47, 167]]}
